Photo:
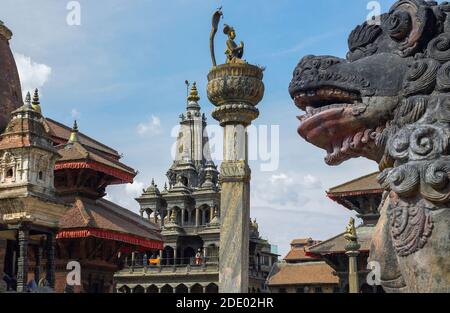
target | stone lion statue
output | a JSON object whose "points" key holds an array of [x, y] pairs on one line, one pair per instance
{"points": [[389, 101]]}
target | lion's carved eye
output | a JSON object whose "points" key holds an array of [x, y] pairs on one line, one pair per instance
{"points": [[398, 25]]}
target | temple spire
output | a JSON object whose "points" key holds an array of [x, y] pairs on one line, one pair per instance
{"points": [[193, 98], [74, 134], [36, 104]]}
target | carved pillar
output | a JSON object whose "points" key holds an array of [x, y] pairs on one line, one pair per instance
{"points": [[235, 88], [197, 217], [183, 212], [50, 266], [352, 251], [174, 256], [133, 259], [22, 262]]}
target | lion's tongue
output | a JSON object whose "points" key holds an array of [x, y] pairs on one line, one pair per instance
{"points": [[320, 128]]}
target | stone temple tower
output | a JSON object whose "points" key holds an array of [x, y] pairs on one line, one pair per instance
{"points": [[188, 210], [29, 207], [10, 90], [192, 155]]}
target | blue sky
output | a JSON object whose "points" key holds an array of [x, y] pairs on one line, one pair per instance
{"points": [[121, 73]]}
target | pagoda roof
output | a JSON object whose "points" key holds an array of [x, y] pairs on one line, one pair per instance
{"points": [[303, 274], [104, 219], [336, 244], [367, 184], [60, 134], [77, 156]]}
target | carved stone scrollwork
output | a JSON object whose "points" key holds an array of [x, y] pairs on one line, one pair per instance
{"points": [[443, 78], [242, 114], [439, 48], [421, 77], [411, 226], [239, 82], [413, 143]]}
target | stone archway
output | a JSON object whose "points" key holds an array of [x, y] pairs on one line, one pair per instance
{"points": [[124, 289], [197, 288], [167, 289], [138, 289], [182, 288], [212, 288], [152, 289], [167, 256]]}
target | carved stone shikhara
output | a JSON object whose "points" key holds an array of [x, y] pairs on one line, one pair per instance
{"points": [[389, 101]]}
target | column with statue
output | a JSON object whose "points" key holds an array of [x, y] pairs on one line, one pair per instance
{"points": [[352, 251], [235, 88]]}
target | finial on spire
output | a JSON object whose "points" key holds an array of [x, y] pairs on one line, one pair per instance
{"points": [[193, 95], [28, 99], [36, 104], [153, 182], [74, 134]]}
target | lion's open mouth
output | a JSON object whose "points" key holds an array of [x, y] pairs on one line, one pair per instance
{"points": [[331, 122], [319, 100]]}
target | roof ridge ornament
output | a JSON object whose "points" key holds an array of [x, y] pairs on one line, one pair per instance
{"points": [[193, 95], [74, 134], [35, 104]]}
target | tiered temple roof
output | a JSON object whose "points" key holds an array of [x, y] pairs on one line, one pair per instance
{"points": [[76, 155], [91, 215], [104, 219], [299, 250]]}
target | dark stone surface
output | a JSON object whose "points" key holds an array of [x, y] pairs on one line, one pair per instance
{"points": [[10, 90], [389, 101]]}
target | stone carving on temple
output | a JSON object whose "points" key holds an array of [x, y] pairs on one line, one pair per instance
{"points": [[388, 102]]}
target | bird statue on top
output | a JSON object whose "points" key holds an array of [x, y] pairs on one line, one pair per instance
{"points": [[389, 101]]}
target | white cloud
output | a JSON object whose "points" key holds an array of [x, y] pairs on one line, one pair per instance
{"points": [[290, 190], [32, 74], [74, 113], [135, 189], [151, 127]]}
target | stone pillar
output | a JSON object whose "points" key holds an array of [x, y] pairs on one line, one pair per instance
{"points": [[197, 217], [353, 271], [183, 212], [352, 251], [133, 258], [22, 262], [50, 266], [174, 256], [235, 88], [160, 258]]}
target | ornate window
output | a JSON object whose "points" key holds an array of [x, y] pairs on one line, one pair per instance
{"points": [[10, 173]]}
